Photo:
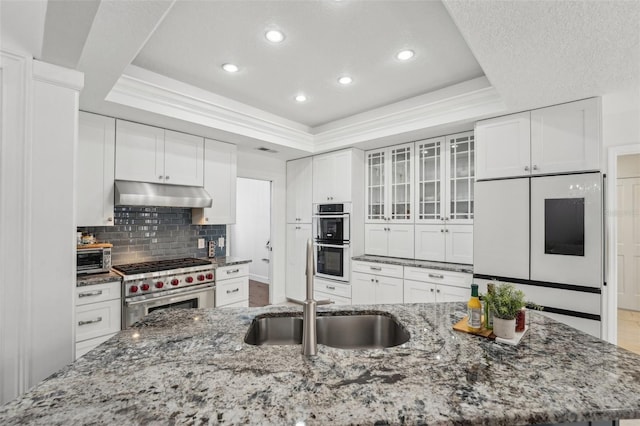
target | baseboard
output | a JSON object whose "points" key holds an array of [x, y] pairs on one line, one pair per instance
{"points": [[260, 278]]}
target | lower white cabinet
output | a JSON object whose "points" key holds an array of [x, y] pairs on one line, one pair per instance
{"points": [[423, 285], [376, 283], [444, 243], [297, 236], [389, 240], [98, 315], [338, 293], [232, 286]]}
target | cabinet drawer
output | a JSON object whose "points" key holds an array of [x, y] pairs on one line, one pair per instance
{"points": [[98, 293], [338, 300], [85, 346], [232, 291], [437, 276], [97, 319], [227, 272], [384, 269], [330, 287]]}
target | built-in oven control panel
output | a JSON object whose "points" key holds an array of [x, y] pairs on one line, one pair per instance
{"points": [[167, 282]]}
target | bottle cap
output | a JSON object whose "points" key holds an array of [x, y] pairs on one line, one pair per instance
{"points": [[474, 290]]}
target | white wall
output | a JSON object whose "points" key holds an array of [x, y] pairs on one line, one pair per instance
{"points": [[252, 229], [262, 166]]}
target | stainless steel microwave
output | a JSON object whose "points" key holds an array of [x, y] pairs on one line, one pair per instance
{"points": [[93, 260]]}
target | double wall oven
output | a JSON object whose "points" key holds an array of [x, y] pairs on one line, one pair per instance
{"points": [[332, 240]]}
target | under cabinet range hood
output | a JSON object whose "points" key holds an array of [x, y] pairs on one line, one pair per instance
{"points": [[129, 193]]}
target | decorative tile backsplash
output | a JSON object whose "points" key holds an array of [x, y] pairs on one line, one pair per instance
{"points": [[140, 234]]}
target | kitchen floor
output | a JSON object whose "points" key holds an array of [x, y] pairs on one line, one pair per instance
{"points": [[629, 338], [258, 294]]}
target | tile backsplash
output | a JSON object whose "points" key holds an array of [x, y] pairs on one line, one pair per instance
{"points": [[140, 234]]}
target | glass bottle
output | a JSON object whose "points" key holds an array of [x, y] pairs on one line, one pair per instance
{"points": [[488, 310], [474, 308]]}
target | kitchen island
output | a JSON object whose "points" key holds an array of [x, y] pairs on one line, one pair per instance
{"points": [[192, 366]]}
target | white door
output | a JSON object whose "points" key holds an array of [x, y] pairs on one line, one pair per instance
{"points": [[503, 146], [419, 292], [459, 243], [139, 152], [389, 290], [183, 159], [629, 243], [297, 236], [400, 241], [447, 293], [566, 229], [363, 288], [430, 242], [375, 239], [252, 230]]}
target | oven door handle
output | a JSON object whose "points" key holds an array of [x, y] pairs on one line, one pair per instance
{"points": [[170, 296], [331, 216], [331, 245]]}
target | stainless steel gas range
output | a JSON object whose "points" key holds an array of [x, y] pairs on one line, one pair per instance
{"points": [[165, 284]]}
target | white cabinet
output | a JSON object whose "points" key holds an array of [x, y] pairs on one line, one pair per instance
{"points": [[444, 243], [220, 176], [335, 176], [150, 154], [98, 314], [95, 170], [389, 240], [297, 236], [373, 283], [422, 285], [338, 293], [388, 183], [232, 286], [559, 139], [299, 187]]}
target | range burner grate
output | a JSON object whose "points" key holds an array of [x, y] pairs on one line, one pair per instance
{"points": [[159, 265]]}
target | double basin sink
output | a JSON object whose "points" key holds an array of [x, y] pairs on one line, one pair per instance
{"points": [[346, 330]]}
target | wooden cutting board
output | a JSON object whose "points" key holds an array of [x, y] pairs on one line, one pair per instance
{"points": [[94, 245], [463, 325]]}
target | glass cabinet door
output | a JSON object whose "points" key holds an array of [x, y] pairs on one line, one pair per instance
{"points": [[429, 154], [375, 185], [460, 177], [401, 177]]}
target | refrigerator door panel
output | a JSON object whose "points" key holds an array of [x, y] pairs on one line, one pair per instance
{"points": [[501, 228], [566, 229]]}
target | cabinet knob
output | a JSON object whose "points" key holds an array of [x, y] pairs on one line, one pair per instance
{"points": [[526, 168], [442, 230], [160, 177], [438, 291], [535, 167], [109, 219], [446, 230], [371, 279], [166, 177], [431, 290], [206, 219]]}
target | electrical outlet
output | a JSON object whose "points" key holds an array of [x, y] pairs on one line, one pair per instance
{"points": [[200, 243], [221, 242]]}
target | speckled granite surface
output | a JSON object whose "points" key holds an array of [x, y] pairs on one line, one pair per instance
{"points": [[93, 279], [192, 367], [443, 266], [220, 262]]}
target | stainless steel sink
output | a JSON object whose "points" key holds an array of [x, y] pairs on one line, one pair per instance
{"points": [[367, 331]]}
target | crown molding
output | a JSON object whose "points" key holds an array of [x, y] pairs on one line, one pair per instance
{"points": [[57, 75], [146, 90]]}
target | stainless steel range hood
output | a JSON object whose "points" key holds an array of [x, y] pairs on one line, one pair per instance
{"points": [[129, 193]]}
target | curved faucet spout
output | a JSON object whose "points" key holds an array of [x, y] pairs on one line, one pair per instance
{"points": [[309, 335]]}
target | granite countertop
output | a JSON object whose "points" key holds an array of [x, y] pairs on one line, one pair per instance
{"points": [[192, 366], [219, 262], [93, 279], [443, 266]]}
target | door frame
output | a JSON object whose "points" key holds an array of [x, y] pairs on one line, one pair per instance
{"points": [[610, 299]]}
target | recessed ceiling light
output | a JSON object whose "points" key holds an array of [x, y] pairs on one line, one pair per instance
{"points": [[345, 80], [230, 67], [405, 55], [274, 36], [300, 98]]}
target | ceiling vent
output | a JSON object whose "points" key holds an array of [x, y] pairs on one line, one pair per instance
{"points": [[264, 149]]}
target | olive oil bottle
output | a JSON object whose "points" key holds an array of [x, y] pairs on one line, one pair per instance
{"points": [[474, 308]]}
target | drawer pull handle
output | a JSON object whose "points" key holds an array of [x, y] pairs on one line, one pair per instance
{"points": [[99, 319], [375, 268], [233, 271], [233, 291], [436, 276], [90, 293], [330, 287]]}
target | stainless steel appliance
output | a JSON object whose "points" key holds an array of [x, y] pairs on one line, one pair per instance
{"points": [[165, 284], [93, 260], [332, 240]]}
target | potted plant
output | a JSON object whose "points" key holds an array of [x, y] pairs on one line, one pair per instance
{"points": [[505, 302]]}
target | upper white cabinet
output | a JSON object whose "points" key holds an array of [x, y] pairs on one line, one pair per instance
{"points": [[336, 175], [150, 154], [566, 138], [299, 184], [95, 170], [559, 139], [220, 173], [389, 185], [444, 243], [389, 240]]}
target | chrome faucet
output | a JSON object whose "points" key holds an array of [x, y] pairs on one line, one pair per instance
{"points": [[309, 335]]}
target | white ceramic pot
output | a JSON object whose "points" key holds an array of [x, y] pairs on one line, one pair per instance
{"points": [[505, 328]]}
